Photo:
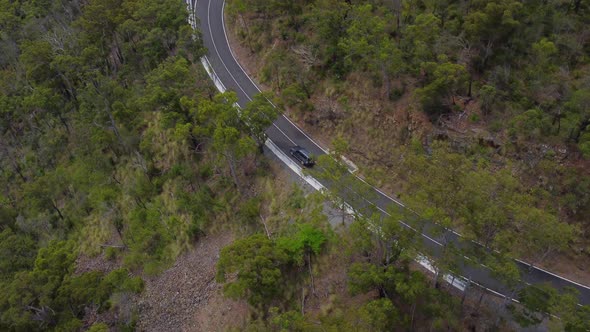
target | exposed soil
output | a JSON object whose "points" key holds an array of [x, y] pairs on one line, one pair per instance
{"points": [[186, 296], [99, 263], [574, 269]]}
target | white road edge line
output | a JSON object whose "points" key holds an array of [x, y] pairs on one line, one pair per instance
{"points": [[293, 166], [422, 260], [310, 180], [283, 115], [327, 152], [227, 69], [256, 85], [553, 274]]}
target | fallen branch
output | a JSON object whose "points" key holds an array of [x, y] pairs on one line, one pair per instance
{"points": [[265, 228], [113, 246]]}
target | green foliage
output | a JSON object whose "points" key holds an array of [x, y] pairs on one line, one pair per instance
{"points": [[364, 277], [278, 69], [368, 46], [488, 96], [531, 124], [99, 327], [268, 269], [17, 252], [543, 234], [306, 241], [444, 81], [495, 21], [259, 114], [541, 301], [345, 189], [584, 143], [491, 207], [395, 282], [107, 142], [287, 321], [259, 265], [103, 132], [148, 237], [294, 95], [536, 300], [423, 33], [328, 18], [379, 315], [119, 280], [50, 295], [521, 64]]}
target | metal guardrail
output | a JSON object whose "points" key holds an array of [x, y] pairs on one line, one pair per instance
{"points": [[459, 282]]}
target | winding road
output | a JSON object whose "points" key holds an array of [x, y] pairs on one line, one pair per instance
{"points": [[284, 134]]}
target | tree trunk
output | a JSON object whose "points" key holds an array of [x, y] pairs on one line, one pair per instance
{"points": [[302, 300], [44, 314], [53, 203], [112, 246], [479, 301], [248, 35], [577, 4], [412, 316], [114, 126], [17, 169], [232, 170], [386, 81], [107, 109], [140, 202], [397, 5], [310, 272], [558, 120], [435, 281], [265, 228], [585, 123], [63, 122]]}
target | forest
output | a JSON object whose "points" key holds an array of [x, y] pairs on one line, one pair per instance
{"points": [[112, 143], [501, 85], [473, 112], [115, 146]]}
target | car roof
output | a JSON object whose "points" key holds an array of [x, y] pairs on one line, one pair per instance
{"points": [[301, 150], [304, 152]]}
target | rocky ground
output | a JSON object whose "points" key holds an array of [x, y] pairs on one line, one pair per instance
{"points": [[186, 296]]}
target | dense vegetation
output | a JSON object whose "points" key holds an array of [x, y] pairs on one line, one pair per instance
{"points": [[114, 146], [281, 273], [475, 112], [111, 143], [497, 89]]}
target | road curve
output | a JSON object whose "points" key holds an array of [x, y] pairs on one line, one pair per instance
{"points": [[285, 134]]}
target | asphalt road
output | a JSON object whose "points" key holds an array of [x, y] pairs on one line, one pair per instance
{"points": [[286, 134]]}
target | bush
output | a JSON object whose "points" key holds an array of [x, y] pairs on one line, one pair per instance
{"points": [[111, 253], [99, 327], [396, 93], [584, 143], [528, 125]]}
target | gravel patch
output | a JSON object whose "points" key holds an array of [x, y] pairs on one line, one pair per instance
{"points": [[186, 296]]}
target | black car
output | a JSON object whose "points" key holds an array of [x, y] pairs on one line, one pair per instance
{"points": [[302, 156]]}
